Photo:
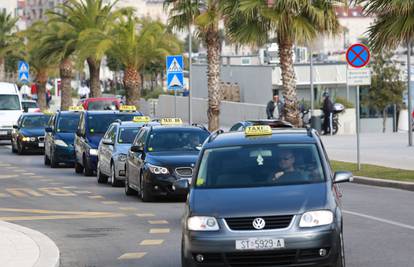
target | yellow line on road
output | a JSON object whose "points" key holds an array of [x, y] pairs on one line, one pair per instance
{"points": [[132, 256], [151, 242], [110, 202], [158, 222], [145, 215], [159, 231]]}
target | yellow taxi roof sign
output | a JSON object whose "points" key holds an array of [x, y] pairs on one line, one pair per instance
{"points": [[76, 108], [171, 121], [258, 130], [141, 119], [47, 112], [127, 108]]}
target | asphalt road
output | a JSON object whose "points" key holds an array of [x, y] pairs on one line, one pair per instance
{"points": [[97, 225]]}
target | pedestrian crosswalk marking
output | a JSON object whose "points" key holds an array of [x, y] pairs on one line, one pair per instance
{"points": [[159, 231], [23, 192], [110, 202], [127, 208], [96, 197], [151, 242], [132, 255], [57, 191], [39, 192], [175, 66], [8, 176], [145, 215], [158, 222], [82, 192]]}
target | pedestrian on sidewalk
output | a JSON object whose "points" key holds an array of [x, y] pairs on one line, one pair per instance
{"points": [[274, 108], [327, 109]]}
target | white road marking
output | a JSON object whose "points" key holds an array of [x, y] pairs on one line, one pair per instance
{"points": [[402, 225]]}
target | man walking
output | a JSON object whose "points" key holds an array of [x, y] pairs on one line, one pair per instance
{"points": [[274, 108], [327, 109]]}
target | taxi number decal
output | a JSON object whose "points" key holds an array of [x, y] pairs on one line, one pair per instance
{"points": [[141, 119], [127, 108], [171, 121], [75, 108]]}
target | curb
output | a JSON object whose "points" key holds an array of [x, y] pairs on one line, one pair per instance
{"points": [[49, 255], [409, 186]]}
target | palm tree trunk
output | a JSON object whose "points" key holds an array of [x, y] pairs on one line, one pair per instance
{"points": [[41, 90], [291, 108], [65, 69], [213, 78], [94, 72], [2, 70], [132, 86]]}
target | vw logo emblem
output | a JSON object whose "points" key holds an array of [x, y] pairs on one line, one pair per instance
{"points": [[259, 223]]}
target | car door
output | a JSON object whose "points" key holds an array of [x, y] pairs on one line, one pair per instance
{"points": [[133, 159], [49, 136], [78, 138], [140, 160], [106, 150]]}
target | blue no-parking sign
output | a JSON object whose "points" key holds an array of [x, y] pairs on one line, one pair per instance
{"points": [[358, 55], [175, 76]]}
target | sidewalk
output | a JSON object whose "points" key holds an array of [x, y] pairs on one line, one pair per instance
{"points": [[24, 247], [389, 149]]}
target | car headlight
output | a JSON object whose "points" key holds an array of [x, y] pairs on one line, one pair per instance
{"points": [[202, 223], [93, 152], [122, 157], [25, 139], [158, 170], [60, 143], [316, 218]]}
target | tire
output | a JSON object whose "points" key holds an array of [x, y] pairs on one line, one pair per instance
{"points": [[144, 192], [14, 150], [53, 162], [78, 168], [184, 260], [87, 171], [335, 128], [20, 149], [128, 190], [341, 254], [102, 179], [114, 182], [46, 160]]}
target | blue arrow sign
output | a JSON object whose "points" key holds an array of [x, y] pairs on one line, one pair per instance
{"points": [[23, 71], [175, 76]]}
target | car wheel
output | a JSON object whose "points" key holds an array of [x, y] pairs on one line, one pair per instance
{"points": [[87, 171], [14, 150], [341, 254], [78, 168], [46, 160], [144, 192], [20, 149], [184, 260], [53, 162], [128, 190], [102, 179], [114, 182]]}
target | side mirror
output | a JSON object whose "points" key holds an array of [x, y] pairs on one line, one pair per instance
{"points": [[15, 127], [181, 185], [79, 133], [343, 177], [25, 109], [48, 129], [137, 149], [107, 141]]}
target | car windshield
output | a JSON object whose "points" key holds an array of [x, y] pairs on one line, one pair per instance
{"points": [[177, 140], [260, 165], [102, 105], [26, 104], [99, 123], [68, 124], [127, 135], [35, 121], [9, 102]]}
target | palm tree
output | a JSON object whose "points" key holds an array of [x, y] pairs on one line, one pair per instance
{"points": [[293, 22], [82, 16], [7, 38], [206, 15], [59, 43]]}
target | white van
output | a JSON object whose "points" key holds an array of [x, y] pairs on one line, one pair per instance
{"points": [[10, 109]]}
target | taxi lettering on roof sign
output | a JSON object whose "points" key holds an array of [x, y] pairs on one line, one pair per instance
{"points": [[76, 108], [171, 121], [127, 108], [258, 130], [141, 119]]}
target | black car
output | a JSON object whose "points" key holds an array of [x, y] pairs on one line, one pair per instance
{"points": [[242, 125], [92, 127], [28, 134], [263, 198], [59, 138], [161, 155]]}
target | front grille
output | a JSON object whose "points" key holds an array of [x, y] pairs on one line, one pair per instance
{"points": [[184, 171], [262, 258], [246, 223], [41, 139]]}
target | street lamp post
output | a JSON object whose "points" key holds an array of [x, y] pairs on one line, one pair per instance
{"points": [[410, 108], [190, 48]]}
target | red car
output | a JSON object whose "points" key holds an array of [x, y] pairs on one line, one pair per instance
{"points": [[100, 103]]}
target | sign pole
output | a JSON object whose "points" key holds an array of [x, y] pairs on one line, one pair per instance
{"points": [[190, 52], [410, 108], [358, 125], [311, 81], [175, 103]]}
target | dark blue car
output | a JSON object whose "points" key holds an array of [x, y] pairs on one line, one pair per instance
{"points": [[59, 138], [29, 133], [91, 128]]}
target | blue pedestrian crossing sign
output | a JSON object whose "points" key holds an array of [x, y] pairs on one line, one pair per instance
{"points": [[175, 76], [23, 71]]}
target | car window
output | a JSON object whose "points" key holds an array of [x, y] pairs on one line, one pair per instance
{"points": [[35, 121], [127, 135], [260, 165], [67, 124], [9, 102], [102, 105], [176, 140], [235, 127], [27, 104], [99, 123]]}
